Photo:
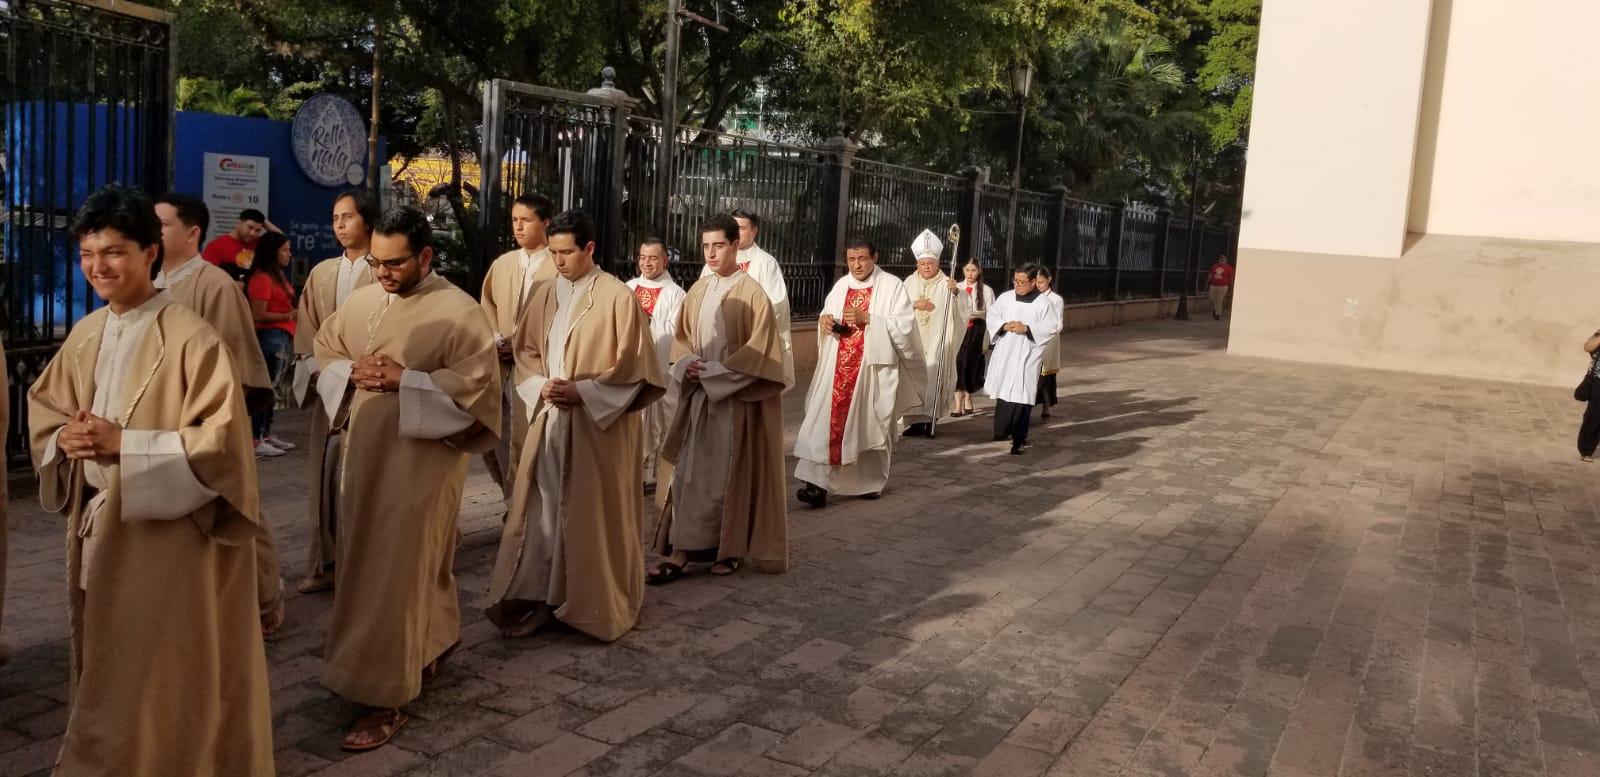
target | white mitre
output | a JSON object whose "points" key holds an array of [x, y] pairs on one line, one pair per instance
{"points": [[927, 245]]}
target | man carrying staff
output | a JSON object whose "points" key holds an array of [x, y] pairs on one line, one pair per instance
{"points": [[725, 501], [869, 372], [585, 366], [409, 383], [941, 314], [1022, 324], [763, 268], [506, 290], [139, 433], [661, 298], [199, 286], [328, 285]]}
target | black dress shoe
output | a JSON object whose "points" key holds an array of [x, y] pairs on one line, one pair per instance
{"points": [[917, 430], [812, 495], [1017, 448]]}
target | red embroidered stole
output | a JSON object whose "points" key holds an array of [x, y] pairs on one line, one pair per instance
{"points": [[846, 371], [647, 298]]}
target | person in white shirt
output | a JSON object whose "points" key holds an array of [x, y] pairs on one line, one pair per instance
{"points": [[1052, 355], [1022, 325], [507, 288], [763, 268], [660, 297]]}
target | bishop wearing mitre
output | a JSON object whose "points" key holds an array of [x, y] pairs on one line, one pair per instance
{"points": [[586, 366], [941, 313], [869, 373], [139, 433]]}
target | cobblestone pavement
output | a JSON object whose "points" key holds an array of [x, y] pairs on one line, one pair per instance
{"points": [[1207, 565]]}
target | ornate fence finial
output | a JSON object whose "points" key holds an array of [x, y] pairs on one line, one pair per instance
{"points": [[608, 77]]}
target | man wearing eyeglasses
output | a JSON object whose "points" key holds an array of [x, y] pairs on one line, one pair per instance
{"points": [[410, 384], [506, 290]]}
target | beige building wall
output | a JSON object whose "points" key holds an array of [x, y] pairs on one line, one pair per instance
{"points": [[1502, 286]]}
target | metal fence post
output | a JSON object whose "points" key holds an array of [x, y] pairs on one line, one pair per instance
{"points": [[970, 213], [1163, 228], [612, 226], [1114, 252], [1056, 234], [835, 211], [490, 200]]}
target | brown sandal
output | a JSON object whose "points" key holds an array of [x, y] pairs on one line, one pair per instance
{"points": [[727, 566], [434, 667], [382, 725]]}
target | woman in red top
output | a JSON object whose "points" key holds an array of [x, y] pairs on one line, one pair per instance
{"points": [[272, 303]]}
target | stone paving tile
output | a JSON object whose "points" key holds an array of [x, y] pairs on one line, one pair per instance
{"points": [[1205, 566]]}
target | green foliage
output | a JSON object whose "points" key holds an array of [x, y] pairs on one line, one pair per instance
{"points": [[1122, 92]]}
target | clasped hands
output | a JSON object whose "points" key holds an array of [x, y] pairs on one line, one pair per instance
{"points": [[1015, 327], [376, 373], [561, 393], [88, 436]]}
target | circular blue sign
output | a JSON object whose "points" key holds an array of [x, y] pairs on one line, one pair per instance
{"points": [[330, 141]]}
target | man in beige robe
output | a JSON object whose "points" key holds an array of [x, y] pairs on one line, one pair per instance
{"points": [[506, 289], [409, 384], [869, 372], [941, 315], [139, 433], [201, 286], [585, 367], [725, 500], [763, 268], [328, 285]]}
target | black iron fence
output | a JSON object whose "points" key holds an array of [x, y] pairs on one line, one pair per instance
{"points": [[562, 144], [88, 100]]}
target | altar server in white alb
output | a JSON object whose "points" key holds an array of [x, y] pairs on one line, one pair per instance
{"points": [[763, 268], [1022, 325], [941, 315], [661, 298], [869, 373]]}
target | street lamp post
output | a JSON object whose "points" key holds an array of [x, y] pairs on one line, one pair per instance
{"points": [[1021, 80]]}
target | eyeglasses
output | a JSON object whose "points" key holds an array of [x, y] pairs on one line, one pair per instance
{"points": [[393, 264]]}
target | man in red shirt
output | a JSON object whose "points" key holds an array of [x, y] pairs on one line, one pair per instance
{"points": [[235, 251], [1221, 282]]}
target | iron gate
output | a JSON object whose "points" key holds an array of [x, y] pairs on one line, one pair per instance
{"points": [[88, 99]]}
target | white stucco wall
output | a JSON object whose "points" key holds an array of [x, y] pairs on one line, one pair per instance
{"points": [[1337, 99], [1509, 144]]}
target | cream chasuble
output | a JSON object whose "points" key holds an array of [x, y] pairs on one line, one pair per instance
{"points": [[327, 287], [1015, 359], [402, 463], [507, 287], [723, 455], [660, 299], [572, 538], [939, 331], [863, 383], [207, 290], [169, 672]]}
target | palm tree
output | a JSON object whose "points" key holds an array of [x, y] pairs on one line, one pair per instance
{"points": [[208, 96], [1108, 111]]}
